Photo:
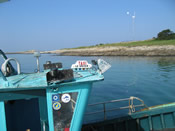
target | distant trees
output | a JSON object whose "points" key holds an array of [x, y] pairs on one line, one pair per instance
{"points": [[99, 44], [166, 35]]}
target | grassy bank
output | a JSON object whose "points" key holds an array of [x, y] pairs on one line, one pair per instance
{"points": [[133, 44]]}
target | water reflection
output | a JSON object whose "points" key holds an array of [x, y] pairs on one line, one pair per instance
{"points": [[166, 67], [166, 64]]}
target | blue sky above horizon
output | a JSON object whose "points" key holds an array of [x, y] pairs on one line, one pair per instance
{"points": [[55, 24]]}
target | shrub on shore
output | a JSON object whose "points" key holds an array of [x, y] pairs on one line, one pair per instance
{"points": [[166, 35]]}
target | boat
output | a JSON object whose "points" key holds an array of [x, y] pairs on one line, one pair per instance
{"points": [[52, 100], [139, 117], [56, 99]]}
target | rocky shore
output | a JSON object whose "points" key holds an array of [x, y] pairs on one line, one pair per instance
{"points": [[22, 52], [166, 50]]}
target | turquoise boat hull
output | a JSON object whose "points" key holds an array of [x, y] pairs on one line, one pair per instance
{"points": [[52, 100], [83, 91], [157, 118]]}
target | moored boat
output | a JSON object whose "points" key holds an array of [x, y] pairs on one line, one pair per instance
{"points": [[52, 100], [139, 117]]}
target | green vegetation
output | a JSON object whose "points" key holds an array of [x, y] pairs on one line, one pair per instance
{"points": [[166, 35], [146, 43], [133, 44]]}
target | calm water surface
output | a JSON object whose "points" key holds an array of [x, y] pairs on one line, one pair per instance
{"points": [[150, 78]]}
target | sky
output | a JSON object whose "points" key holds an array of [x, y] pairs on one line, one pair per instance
{"points": [[45, 25]]}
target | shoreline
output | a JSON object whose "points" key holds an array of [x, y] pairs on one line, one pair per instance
{"points": [[164, 50], [168, 50]]}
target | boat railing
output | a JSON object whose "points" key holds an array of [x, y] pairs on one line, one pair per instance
{"points": [[131, 107]]}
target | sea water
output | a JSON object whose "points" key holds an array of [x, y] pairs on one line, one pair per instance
{"points": [[152, 79]]}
